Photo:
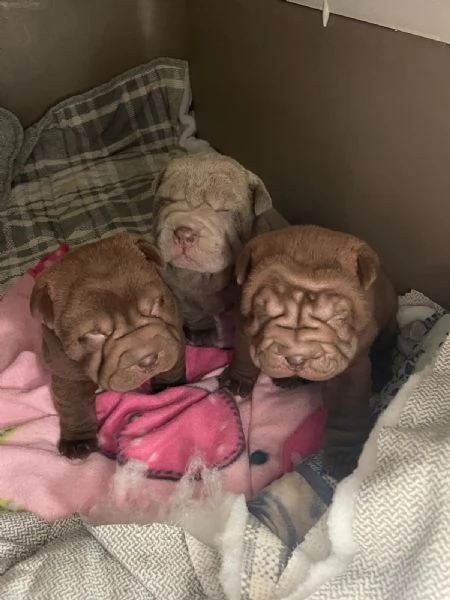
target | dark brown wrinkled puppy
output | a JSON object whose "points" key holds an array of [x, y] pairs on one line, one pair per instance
{"points": [[205, 208], [108, 321], [314, 302]]}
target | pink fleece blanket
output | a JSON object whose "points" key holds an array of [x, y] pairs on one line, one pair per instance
{"points": [[153, 438]]}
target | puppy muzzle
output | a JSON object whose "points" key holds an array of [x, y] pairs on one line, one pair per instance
{"points": [[198, 244], [314, 359], [138, 356]]}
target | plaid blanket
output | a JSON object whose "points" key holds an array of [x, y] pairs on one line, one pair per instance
{"points": [[86, 168]]}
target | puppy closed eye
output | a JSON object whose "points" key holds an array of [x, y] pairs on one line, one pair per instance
{"points": [[233, 215]]}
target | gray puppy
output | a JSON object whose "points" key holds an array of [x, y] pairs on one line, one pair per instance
{"points": [[205, 208]]}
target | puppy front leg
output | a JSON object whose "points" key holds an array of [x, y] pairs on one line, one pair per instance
{"points": [[241, 375], [347, 399], [75, 403]]}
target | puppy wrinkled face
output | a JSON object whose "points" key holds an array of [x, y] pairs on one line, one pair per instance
{"points": [[300, 330], [204, 211], [117, 319], [122, 340]]}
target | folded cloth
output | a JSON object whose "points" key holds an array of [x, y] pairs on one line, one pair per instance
{"points": [[154, 437]]}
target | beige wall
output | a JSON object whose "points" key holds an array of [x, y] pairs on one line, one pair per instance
{"points": [[349, 125], [50, 49]]}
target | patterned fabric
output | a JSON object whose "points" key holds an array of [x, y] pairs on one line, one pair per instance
{"points": [[404, 364], [264, 559], [87, 167]]}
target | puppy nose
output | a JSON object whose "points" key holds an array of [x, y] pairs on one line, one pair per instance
{"points": [[148, 361], [294, 362], [185, 235]]}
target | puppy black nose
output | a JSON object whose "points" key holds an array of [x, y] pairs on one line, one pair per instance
{"points": [[148, 361], [185, 235], [294, 362]]}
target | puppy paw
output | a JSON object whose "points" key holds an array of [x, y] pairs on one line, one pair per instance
{"points": [[236, 385], [77, 449], [340, 463]]}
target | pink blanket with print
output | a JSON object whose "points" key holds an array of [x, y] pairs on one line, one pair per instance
{"points": [[153, 438]]}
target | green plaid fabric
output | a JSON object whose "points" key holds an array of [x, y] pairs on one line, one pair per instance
{"points": [[87, 167]]}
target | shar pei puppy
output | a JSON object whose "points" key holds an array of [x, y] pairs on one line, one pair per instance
{"points": [[205, 209], [109, 321], [316, 306]]}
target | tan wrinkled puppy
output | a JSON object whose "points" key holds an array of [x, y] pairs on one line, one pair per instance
{"points": [[314, 302], [205, 208], [109, 321]]}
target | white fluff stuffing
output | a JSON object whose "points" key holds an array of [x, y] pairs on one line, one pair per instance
{"points": [[126, 477], [204, 515], [202, 508]]}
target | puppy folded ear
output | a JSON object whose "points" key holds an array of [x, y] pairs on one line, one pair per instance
{"points": [[367, 266], [262, 202], [41, 303], [243, 265], [150, 252]]}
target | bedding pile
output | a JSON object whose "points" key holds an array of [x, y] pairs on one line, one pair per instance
{"points": [[85, 171]]}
